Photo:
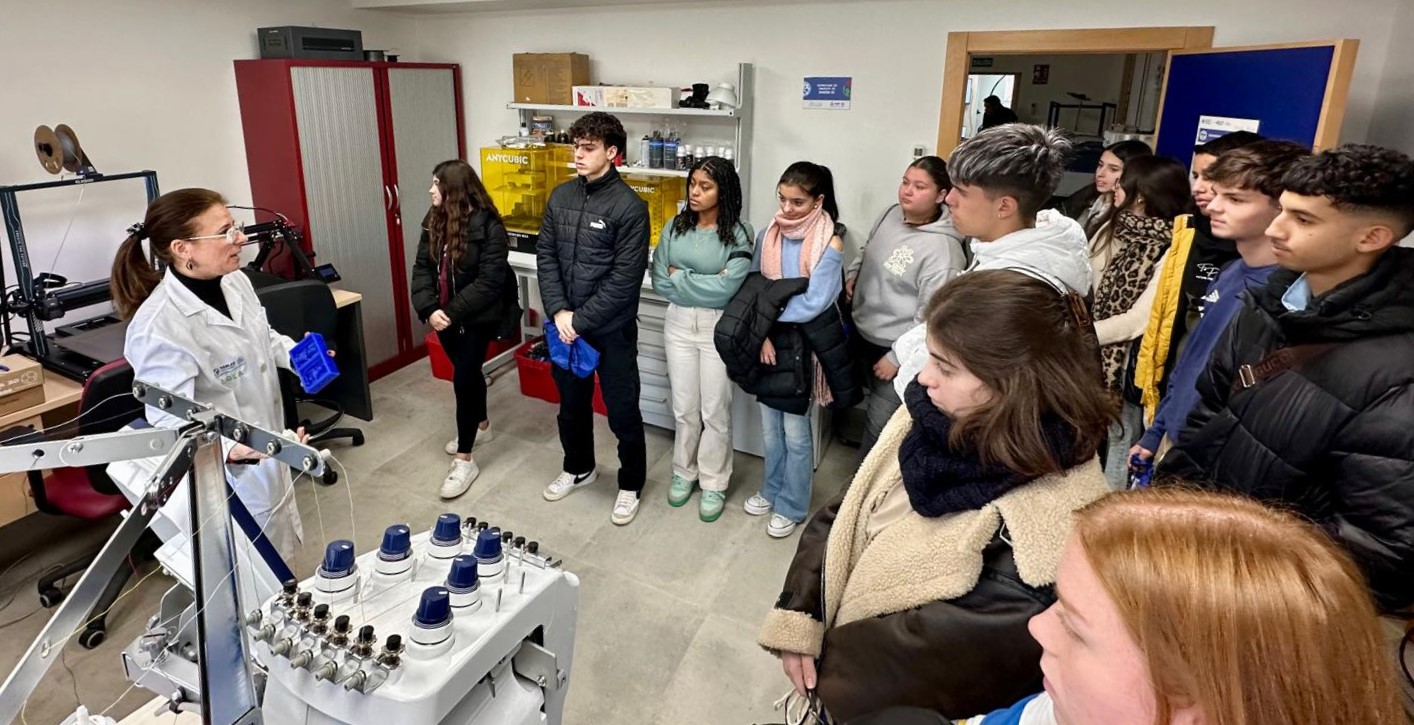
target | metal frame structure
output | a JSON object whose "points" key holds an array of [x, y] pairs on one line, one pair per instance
{"points": [[28, 297], [228, 690]]}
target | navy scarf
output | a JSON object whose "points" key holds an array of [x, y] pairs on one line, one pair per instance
{"points": [[941, 481]]}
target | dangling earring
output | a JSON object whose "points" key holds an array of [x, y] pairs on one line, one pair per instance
{"points": [[190, 265]]}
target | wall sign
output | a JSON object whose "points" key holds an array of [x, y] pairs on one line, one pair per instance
{"points": [[827, 92], [982, 62], [1040, 74], [1212, 127]]}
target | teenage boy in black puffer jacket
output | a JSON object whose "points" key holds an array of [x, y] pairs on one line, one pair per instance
{"points": [[1309, 397], [590, 260]]}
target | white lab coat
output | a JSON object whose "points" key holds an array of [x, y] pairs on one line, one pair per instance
{"points": [[179, 343]]}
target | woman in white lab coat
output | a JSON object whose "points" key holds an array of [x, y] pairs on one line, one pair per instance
{"points": [[199, 331]]}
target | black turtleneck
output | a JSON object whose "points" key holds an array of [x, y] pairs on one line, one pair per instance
{"points": [[206, 290]]}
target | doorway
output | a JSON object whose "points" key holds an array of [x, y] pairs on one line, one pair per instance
{"points": [[980, 86], [964, 47]]}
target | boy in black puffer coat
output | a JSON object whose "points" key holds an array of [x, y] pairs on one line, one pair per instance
{"points": [[590, 260], [1309, 397]]}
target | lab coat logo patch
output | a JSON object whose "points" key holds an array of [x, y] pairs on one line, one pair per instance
{"points": [[898, 262], [232, 371]]}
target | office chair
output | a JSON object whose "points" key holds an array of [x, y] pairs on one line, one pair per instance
{"points": [[105, 406], [294, 308]]}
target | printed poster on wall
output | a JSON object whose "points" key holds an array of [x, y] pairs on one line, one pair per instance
{"points": [[1213, 127], [827, 92]]}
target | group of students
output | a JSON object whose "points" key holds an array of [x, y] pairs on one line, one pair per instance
{"points": [[980, 560], [1018, 364], [941, 579]]}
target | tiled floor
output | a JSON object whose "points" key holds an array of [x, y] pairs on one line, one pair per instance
{"points": [[669, 605]]}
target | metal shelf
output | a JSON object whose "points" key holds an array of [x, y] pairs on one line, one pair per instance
{"points": [[640, 171], [699, 112], [740, 118]]}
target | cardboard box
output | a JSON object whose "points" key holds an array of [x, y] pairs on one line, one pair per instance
{"points": [[549, 77], [16, 499], [21, 384]]}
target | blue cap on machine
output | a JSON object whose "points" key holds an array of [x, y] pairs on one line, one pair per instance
{"points": [[448, 530], [488, 546], [434, 609], [338, 559], [463, 575], [397, 543]]}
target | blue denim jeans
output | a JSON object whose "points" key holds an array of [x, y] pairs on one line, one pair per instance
{"points": [[790, 463]]}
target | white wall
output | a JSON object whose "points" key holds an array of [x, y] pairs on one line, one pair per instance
{"points": [[146, 84], [1391, 125], [894, 49]]}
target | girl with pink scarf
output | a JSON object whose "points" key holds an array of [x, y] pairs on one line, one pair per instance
{"points": [[802, 240]]}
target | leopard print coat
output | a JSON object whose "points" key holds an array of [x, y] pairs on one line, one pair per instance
{"points": [[1139, 244]]}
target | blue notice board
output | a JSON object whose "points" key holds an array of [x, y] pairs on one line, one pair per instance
{"points": [[829, 92], [1283, 88]]}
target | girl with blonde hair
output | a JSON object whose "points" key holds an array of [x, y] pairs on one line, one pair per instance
{"points": [[1182, 607]]}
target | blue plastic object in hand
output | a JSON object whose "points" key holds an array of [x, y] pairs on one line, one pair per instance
{"points": [[1141, 472], [578, 357], [310, 359]]}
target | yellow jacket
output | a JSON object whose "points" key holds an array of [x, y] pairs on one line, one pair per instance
{"points": [[1158, 336]]}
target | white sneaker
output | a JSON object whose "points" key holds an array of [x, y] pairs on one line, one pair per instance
{"points": [[625, 508], [757, 505], [483, 436], [459, 478], [779, 527], [566, 482]]}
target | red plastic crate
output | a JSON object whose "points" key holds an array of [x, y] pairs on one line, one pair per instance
{"points": [[535, 379], [537, 382], [599, 406], [441, 364]]}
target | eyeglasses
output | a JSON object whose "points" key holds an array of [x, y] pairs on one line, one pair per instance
{"points": [[230, 235]]}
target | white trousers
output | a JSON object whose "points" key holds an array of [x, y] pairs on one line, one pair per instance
{"points": [[702, 398]]}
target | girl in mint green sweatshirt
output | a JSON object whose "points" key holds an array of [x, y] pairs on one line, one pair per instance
{"points": [[701, 259]]}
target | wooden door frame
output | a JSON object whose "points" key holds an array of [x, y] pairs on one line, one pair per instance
{"points": [[963, 45]]}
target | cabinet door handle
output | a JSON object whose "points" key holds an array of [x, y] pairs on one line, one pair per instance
{"points": [[388, 194]]}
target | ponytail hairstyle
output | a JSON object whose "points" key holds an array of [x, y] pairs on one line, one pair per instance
{"points": [[463, 194], [723, 174], [816, 180], [169, 217]]}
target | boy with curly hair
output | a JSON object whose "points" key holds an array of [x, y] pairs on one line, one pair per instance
{"points": [[1308, 399]]}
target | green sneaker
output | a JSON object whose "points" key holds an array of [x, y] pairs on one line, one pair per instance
{"points": [[712, 504], [680, 491]]}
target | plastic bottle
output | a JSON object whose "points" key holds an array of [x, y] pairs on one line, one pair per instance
{"points": [[655, 151], [524, 131], [643, 151], [670, 151], [728, 154], [685, 158]]}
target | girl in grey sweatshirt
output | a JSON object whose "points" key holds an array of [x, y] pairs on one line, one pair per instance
{"points": [[912, 251]]}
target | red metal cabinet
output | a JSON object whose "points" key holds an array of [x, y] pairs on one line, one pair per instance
{"points": [[346, 151]]}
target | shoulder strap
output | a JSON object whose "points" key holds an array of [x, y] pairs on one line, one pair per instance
{"points": [[880, 223], [1275, 363]]}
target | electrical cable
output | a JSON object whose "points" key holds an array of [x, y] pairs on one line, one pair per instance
{"points": [[72, 216], [214, 591]]}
